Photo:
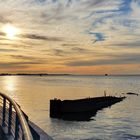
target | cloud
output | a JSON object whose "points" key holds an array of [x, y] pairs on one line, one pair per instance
{"points": [[58, 52], [69, 44], [27, 60], [16, 65], [128, 44], [118, 22], [9, 66], [120, 59], [3, 36], [7, 50], [4, 20], [98, 36], [41, 37], [23, 57], [80, 50]]}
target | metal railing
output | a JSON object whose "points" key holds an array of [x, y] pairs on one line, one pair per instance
{"points": [[13, 120]]}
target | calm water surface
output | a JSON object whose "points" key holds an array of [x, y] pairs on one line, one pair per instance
{"points": [[120, 122]]}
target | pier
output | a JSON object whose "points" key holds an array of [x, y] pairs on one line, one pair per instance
{"points": [[15, 124]]}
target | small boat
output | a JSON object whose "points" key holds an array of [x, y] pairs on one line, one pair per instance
{"points": [[131, 93], [73, 109]]}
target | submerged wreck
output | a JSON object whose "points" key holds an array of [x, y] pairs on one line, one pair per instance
{"points": [[80, 109]]}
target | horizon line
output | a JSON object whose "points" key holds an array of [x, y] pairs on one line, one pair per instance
{"points": [[65, 74]]}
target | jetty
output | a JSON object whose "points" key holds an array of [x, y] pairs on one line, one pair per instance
{"points": [[80, 109], [15, 124]]}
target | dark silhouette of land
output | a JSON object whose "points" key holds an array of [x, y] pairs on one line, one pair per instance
{"points": [[62, 74], [32, 74]]}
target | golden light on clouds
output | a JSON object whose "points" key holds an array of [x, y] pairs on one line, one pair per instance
{"points": [[10, 31], [52, 36]]}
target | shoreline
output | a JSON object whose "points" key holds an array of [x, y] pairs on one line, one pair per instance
{"points": [[45, 74]]}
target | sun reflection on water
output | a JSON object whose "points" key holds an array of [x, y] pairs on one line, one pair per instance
{"points": [[10, 83]]}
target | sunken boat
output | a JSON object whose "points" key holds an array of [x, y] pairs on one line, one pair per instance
{"points": [[80, 109]]}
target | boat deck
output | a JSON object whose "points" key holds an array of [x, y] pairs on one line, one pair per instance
{"points": [[42, 134]]}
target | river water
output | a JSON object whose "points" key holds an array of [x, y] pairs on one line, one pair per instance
{"points": [[120, 122]]}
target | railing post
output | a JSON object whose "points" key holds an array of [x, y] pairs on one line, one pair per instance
{"points": [[16, 128], [4, 111], [10, 118], [23, 137]]}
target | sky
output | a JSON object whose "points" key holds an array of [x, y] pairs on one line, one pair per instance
{"points": [[70, 36]]}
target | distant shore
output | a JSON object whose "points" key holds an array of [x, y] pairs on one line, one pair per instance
{"points": [[33, 74], [46, 74]]}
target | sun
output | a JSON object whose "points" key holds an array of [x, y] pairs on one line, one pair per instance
{"points": [[10, 31]]}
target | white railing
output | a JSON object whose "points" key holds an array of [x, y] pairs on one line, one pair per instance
{"points": [[13, 120]]}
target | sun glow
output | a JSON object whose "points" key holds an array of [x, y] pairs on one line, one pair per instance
{"points": [[10, 31]]}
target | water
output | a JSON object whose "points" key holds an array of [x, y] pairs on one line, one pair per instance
{"points": [[120, 122]]}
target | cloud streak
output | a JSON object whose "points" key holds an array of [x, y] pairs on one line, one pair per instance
{"points": [[40, 37], [7, 50], [122, 59]]}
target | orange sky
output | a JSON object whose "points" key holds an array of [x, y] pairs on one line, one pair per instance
{"points": [[78, 37]]}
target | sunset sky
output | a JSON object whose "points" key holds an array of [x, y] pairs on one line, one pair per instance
{"points": [[70, 36]]}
